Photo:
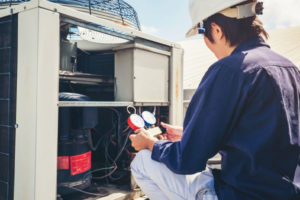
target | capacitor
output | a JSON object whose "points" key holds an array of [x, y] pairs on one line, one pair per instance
{"points": [[149, 118]]}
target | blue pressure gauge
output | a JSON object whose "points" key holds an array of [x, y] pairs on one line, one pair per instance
{"points": [[149, 118]]}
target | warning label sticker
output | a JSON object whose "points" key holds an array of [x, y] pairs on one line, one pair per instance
{"points": [[63, 162], [80, 163]]}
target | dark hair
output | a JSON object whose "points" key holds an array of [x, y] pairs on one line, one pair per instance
{"points": [[235, 30]]}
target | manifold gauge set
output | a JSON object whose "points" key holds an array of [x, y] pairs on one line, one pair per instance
{"points": [[145, 120]]}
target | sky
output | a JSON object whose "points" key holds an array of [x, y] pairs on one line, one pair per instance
{"points": [[169, 19]]}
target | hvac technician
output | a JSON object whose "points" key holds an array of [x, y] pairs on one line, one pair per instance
{"points": [[246, 108]]}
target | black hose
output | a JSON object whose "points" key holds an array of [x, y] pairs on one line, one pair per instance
{"points": [[116, 158], [123, 147], [90, 139], [118, 136]]}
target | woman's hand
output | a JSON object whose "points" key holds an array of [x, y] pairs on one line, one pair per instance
{"points": [[173, 133], [142, 140]]}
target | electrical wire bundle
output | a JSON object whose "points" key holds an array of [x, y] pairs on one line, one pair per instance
{"points": [[114, 140]]}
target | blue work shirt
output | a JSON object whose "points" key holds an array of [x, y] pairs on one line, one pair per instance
{"points": [[247, 109]]}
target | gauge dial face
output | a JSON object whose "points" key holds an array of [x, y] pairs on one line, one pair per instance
{"points": [[149, 118], [135, 121]]}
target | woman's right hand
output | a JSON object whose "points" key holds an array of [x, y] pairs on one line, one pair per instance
{"points": [[173, 133]]}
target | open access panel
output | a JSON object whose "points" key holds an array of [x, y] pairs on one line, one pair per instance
{"points": [[102, 82], [75, 76]]}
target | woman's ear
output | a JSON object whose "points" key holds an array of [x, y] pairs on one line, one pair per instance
{"points": [[217, 32]]}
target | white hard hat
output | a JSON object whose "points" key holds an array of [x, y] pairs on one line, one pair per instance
{"points": [[202, 9]]}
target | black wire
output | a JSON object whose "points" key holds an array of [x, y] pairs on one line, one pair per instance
{"points": [[106, 175], [107, 138], [119, 154], [118, 136], [107, 156], [123, 147], [84, 192], [90, 139]]}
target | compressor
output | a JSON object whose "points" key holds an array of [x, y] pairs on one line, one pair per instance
{"points": [[74, 153]]}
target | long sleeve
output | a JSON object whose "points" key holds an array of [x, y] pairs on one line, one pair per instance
{"points": [[209, 119]]}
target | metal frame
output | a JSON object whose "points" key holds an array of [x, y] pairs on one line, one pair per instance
{"points": [[94, 104], [107, 104], [176, 86], [19, 8], [97, 28], [120, 9], [80, 16], [37, 111]]}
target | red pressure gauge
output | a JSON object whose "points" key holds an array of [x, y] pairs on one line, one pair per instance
{"points": [[135, 122]]}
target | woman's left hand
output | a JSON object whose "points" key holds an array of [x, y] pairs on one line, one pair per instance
{"points": [[142, 140]]}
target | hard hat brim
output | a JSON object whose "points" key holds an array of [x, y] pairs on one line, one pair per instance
{"points": [[239, 12], [192, 32]]}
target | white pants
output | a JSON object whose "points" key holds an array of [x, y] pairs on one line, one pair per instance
{"points": [[160, 183]]}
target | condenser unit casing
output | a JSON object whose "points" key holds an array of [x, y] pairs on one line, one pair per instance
{"points": [[146, 72]]}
